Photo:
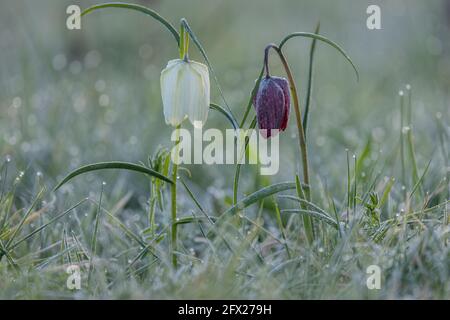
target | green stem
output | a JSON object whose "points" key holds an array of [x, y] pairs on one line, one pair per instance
{"points": [[301, 136], [298, 119], [173, 190], [181, 47], [184, 43]]}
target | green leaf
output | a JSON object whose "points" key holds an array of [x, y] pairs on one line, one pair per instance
{"points": [[320, 213], [259, 195], [323, 39], [226, 113], [139, 8], [112, 165]]}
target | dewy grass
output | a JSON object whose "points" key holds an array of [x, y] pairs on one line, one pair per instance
{"points": [[313, 235]]}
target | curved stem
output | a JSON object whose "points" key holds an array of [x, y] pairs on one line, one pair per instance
{"points": [[298, 118], [181, 46], [184, 43], [173, 191], [266, 57], [306, 192]]}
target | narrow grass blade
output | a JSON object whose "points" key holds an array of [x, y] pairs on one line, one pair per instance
{"points": [[55, 257], [210, 219], [323, 39], [46, 225], [197, 203], [127, 231], [297, 199], [314, 214], [238, 166], [402, 143], [24, 218], [226, 113], [410, 140], [363, 157], [188, 220], [112, 165], [419, 182], [307, 222], [95, 233], [259, 195], [4, 252], [310, 81], [139, 8], [386, 192], [280, 225]]}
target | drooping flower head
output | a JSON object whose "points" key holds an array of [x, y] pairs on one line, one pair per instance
{"points": [[185, 91], [272, 101]]}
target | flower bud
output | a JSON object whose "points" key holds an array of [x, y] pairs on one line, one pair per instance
{"points": [[185, 91], [272, 103]]}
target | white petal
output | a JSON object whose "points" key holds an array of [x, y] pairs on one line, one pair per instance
{"points": [[185, 92], [173, 110], [198, 111]]}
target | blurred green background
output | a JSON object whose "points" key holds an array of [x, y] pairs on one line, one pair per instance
{"points": [[69, 98]]}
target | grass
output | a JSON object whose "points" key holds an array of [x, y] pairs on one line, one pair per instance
{"points": [[236, 238]]}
